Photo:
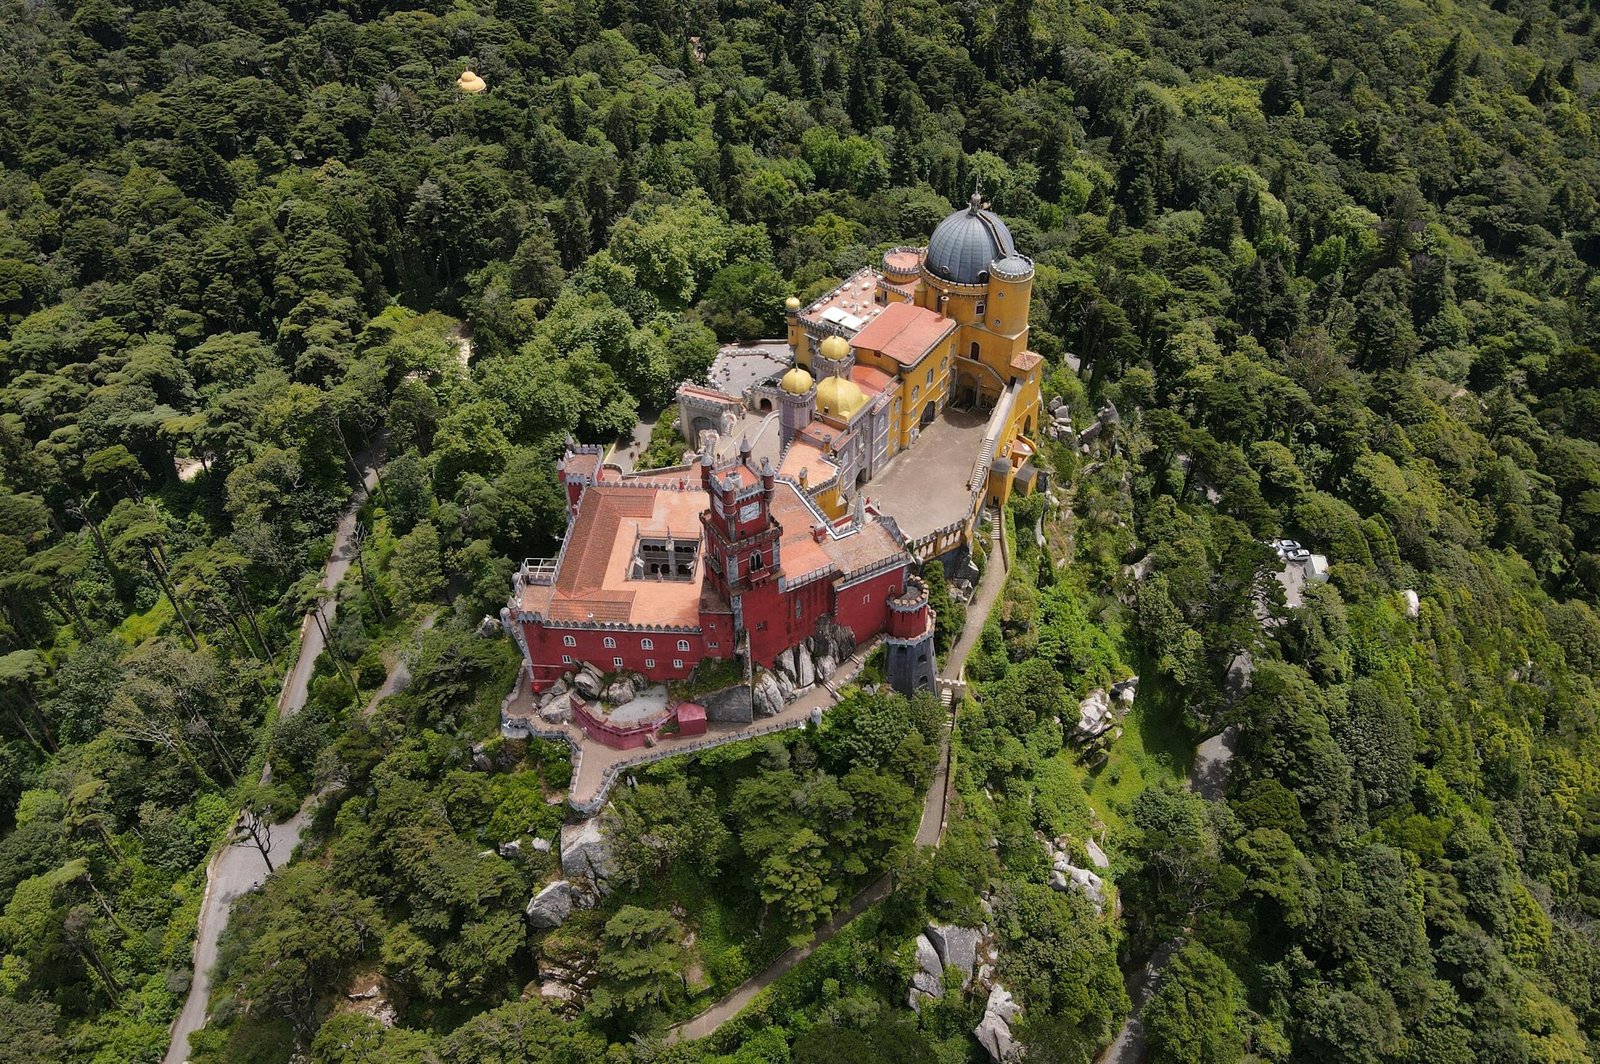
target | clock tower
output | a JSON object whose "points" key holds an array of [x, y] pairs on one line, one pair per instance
{"points": [[742, 539]]}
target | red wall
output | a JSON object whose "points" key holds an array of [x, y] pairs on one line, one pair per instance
{"points": [[774, 626], [864, 608], [546, 645]]}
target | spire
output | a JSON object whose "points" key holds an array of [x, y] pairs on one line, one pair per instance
{"points": [[975, 203], [859, 510]]}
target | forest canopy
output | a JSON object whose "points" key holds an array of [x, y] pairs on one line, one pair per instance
{"points": [[1335, 263]]}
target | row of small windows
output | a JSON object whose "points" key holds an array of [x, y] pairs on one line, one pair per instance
{"points": [[611, 643]]}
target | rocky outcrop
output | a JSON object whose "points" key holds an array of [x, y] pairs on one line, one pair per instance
{"points": [[832, 640], [586, 860], [1064, 875], [994, 1030], [805, 670], [618, 692], [927, 981], [1094, 716], [588, 681], [1124, 690], [768, 697], [551, 906], [1413, 603], [1097, 856], [731, 705], [957, 948]]}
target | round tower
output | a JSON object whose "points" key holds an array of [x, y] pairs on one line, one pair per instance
{"points": [[834, 358], [1010, 289], [797, 401], [791, 311], [908, 641]]}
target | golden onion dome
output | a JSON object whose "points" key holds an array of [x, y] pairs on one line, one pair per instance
{"points": [[835, 348], [792, 303], [470, 82], [840, 397], [796, 382]]}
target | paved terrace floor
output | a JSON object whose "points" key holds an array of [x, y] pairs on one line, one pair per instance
{"points": [[925, 487], [739, 366]]}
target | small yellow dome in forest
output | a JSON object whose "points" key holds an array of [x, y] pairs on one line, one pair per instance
{"points": [[792, 303], [796, 382], [835, 349], [840, 397], [470, 82]]}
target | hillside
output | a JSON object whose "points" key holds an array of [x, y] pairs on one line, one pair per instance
{"points": [[1332, 263]]}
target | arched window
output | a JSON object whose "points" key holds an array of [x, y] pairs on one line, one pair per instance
{"points": [[611, 644], [756, 562], [982, 306], [974, 353], [647, 644], [683, 644]]}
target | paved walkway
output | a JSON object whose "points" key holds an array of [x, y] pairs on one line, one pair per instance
{"points": [[599, 759], [929, 829], [238, 867], [1129, 1047]]}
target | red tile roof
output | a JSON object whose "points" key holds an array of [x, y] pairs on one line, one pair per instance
{"points": [[870, 379], [904, 332]]}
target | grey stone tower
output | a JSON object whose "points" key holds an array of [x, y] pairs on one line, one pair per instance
{"points": [[909, 640]]}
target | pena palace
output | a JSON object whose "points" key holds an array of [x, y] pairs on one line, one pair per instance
{"points": [[815, 493]]}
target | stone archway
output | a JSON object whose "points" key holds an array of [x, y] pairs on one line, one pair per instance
{"points": [[702, 424], [929, 412]]}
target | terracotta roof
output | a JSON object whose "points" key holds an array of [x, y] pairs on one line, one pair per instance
{"points": [[801, 552], [904, 332], [580, 463], [870, 379], [803, 454], [1023, 361], [903, 259], [592, 582]]}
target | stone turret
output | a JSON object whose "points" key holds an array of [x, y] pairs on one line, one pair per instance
{"points": [[909, 640]]}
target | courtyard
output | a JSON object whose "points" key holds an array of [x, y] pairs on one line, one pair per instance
{"points": [[926, 486]]}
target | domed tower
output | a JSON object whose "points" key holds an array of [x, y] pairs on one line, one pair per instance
{"points": [[1010, 291], [791, 312], [909, 640], [955, 268], [834, 358], [797, 396]]}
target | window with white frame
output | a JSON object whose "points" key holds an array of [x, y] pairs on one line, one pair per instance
{"points": [[566, 659], [569, 641], [647, 644], [611, 643], [616, 663], [677, 663], [683, 644], [649, 663]]}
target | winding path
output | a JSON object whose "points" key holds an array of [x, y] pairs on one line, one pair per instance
{"points": [[238, 867], [930, 828]]}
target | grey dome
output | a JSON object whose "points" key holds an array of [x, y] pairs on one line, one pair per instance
{"points": [[965, 243]]}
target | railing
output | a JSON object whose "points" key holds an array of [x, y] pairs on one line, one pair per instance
{"points": [[609, 777], [537, 571]]}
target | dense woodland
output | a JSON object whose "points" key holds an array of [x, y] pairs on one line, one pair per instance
{"points": [[1334, 263]]}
